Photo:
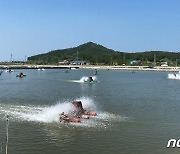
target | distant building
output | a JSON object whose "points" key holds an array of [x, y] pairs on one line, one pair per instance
{"points": [[134, 62], [65, 62], [78, 62], [164, 64], [115, 63]]}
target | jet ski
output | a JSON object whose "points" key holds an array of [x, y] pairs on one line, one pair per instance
{"points": [[79, 112], [9, 70], [20, 75], [90, 79]]}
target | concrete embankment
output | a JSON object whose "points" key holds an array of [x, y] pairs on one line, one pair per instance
{"points": [[37, 66], [134, 68], [130, 68]]}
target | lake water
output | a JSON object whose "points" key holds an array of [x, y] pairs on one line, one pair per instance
{"points": [[137, 112]]}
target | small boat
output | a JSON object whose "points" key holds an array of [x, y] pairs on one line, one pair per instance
{"points": [[1, 72], [73, 68]]}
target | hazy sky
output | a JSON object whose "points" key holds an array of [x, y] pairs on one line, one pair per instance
{"points": [[29, 27]]}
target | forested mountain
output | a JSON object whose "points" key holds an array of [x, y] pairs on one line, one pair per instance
{"points": [[97, 54]]}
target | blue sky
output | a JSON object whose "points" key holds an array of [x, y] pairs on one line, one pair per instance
{"points": [[29, 27]]}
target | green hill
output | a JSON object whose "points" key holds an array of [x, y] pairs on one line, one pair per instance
{"points": [[90, 52], [97, 54]]}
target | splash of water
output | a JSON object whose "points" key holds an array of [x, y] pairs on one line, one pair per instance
{"points": [[174, 76], [50, 114], [85, 79]]}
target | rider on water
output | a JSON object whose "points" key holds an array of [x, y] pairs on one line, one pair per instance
{"points": [[78, 113], [21, 74], [90, 79]]}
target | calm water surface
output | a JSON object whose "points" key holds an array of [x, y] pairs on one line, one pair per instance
{"points": [[137, 112]]}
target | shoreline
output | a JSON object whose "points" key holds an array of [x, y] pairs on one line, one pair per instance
{"points": [[120, 67]]}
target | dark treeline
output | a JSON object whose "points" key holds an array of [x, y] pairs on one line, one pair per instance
{"points": [[96, 54]]}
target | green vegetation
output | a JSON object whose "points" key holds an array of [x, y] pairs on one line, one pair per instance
{"points": [[96, 54]]}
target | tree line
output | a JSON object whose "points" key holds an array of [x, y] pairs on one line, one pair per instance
{"points": [[96, 54]]}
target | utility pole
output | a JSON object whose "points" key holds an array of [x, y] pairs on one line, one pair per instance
{"points": [[7, 135], [176, 62], [111, 60], [124, 58], [96, 60], [154, 60], [25, 58], [11, 58], [1, 147], [77, 56]]}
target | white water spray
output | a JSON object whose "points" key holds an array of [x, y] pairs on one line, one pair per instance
{"points": [[85, 79], [50, 114], [174, 76]]}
